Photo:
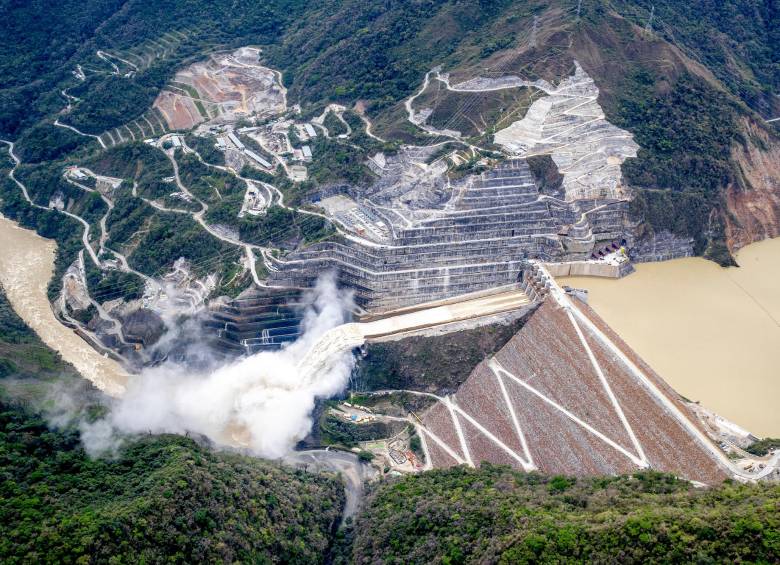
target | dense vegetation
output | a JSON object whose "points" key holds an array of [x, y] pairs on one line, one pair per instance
{"points": [[162, 498], [206, 148], [46, 142], [494, 515], [39, 50], [337, 431], [433, 364], [109, 285], [166, 498], [207, 183], [685, 138], [334, 126], [283, 227], [685, 121], [132, 161], [764, 446], [173, 236], [397, 41], [738, 40]]}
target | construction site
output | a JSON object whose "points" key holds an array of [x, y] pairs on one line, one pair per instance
{"points": [[226, 86], [565, 395], [396, 255], [459, 233]]}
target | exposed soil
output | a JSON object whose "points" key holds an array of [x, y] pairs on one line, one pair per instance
{"points": [[179, 111], [233, 86], [754, 208]]}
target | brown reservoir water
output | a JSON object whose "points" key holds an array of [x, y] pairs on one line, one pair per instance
{"points": [[712, 333], [26, 267]]}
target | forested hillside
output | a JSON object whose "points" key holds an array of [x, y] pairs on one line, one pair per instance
{"points": [[397, 41], [162, 498], [44, 43], [494, 515], [693, 83]]}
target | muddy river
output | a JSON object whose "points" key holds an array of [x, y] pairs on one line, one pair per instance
{"points": [[712, 333], [26, 267]]}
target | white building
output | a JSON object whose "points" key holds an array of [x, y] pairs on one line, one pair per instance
{"points": [[257, 158], [237, 142]]}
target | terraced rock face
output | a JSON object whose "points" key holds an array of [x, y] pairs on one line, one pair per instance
{"points": [[414, 235], [569, 125], [472, 236], [255, 321]]}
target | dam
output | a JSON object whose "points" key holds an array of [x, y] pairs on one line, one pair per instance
{"points": [[351, 335], [566, 395], [719, 343], [616, 418]]}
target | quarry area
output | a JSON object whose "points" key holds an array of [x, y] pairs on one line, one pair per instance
{"points": [[227, 86], [569, 125], [445, 237]]}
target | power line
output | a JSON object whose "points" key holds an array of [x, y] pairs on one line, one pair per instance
{"points": [[649, 26], [208, 261]]}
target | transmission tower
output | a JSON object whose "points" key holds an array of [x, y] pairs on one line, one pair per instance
{"points": [[533, 31], [649, 26], [579, 8]]}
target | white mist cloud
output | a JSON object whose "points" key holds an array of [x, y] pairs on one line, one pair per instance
{"points": [[263, 401]]}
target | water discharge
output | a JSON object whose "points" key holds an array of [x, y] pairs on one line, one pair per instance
{"points": [[263, 402], [712, 333], [26, 267]]}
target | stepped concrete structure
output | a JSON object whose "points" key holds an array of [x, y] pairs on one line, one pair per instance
{"points": [[415, 237], [256, 320]]}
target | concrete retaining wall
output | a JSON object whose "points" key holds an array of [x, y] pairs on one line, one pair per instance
{"points": [[588, 269]]}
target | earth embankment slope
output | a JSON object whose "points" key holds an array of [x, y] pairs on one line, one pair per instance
{"points": [[556, 398]]}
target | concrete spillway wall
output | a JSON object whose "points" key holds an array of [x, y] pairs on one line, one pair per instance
{"points": [[589, 269]]}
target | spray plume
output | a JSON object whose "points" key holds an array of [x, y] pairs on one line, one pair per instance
{"points": [[263, 401]]}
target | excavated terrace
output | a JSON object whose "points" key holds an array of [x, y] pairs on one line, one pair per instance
{"points": [[474, 237]]}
